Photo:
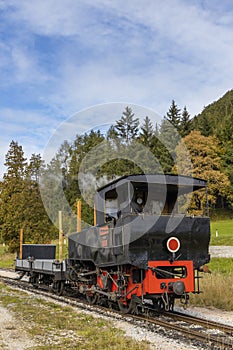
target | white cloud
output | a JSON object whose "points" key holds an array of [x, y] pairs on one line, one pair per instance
{"points": [[31, 129], [62, 56], [121, 37]]}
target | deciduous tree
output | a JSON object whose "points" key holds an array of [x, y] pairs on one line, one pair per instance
{"points": [[204, 153]]}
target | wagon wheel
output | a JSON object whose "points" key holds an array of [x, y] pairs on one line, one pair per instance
{"points": [[91, 298], [126, 307], [58, 287], [34, 279]]}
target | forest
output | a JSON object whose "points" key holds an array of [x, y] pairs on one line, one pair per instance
{"points": [[126, 148]]}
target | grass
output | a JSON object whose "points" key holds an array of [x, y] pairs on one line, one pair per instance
{"points": [[6, 258], [217, 291], [225, 232], [223, 266], [53, 326], [217, 287], [222, 221]]}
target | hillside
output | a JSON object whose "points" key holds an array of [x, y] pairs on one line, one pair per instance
{"points": [[217, 118]]}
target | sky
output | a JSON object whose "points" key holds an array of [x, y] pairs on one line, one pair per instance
{"points": [[61, 57]]}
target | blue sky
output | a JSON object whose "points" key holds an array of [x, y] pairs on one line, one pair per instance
{"points": [[58, 57]]}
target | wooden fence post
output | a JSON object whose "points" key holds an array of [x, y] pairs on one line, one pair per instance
{"points": [[60, 235], [21, 243]]}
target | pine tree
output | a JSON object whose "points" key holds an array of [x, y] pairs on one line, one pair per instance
{"points": [[168, 140], [204, 126], [127, 127], [11, 210], [21, 205], [173, 115], [225, 134], [146, 134], [185, 123], [84, 157], [119, 139], [35, 167], [162, 155], [112, 133], [170, 136], [15, 162]]}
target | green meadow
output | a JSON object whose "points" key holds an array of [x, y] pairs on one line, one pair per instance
{"points": [[6, 258], [221, 232]]}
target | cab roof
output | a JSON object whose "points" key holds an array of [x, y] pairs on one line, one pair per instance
{"points": [[188, 183]]}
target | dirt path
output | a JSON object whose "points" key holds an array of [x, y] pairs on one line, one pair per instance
{"points": [[12, 337], [221, 251]]}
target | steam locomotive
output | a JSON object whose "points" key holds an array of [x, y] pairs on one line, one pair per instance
{"points": [[145, 249]]}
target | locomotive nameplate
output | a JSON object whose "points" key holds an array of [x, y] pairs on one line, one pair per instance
{"points": [[104, 234], [104, 230]]}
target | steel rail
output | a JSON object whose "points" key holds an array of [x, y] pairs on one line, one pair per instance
{"points": [[201, 321], [193, 334]]}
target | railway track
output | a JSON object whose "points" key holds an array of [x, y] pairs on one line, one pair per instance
{"points": [[221, 340], [203, 322], [207, 334]]}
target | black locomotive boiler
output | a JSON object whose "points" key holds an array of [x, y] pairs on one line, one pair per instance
{"points": [[145, 249]]}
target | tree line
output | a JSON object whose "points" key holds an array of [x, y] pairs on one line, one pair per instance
{"points": [[127, 147]]}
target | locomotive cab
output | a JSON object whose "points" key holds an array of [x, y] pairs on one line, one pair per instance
{"points": [[145, 194]]}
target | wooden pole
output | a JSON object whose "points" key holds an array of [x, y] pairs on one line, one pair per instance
{"points": [[60, 235], [21, 243], [79, 216], [94, 215]]}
